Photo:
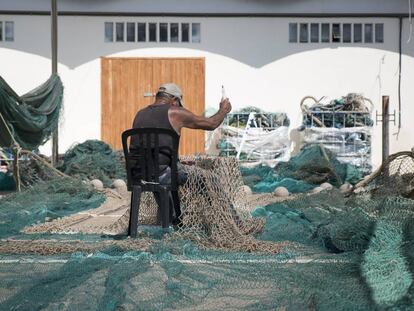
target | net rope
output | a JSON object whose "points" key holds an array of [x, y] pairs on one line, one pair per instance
{"points": [[215, 210], [334, 252]]}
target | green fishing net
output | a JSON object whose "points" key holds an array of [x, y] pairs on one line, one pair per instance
{"points": [[45, 201], [313, 166], [239, 118], [7, 182], [350, 252], [316, 164], [32, 117], [93, 159], [349, 111]]}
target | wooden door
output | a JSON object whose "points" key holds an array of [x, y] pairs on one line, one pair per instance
{"points": [[126, 85]]}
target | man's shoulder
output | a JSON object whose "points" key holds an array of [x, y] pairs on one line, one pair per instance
{"points": [[177, 110]]}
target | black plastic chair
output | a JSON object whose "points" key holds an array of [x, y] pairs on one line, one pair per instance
{"points": [[143, 172]]}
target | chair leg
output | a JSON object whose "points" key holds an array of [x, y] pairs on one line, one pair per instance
{"points": [[134, 211], [176, 201], [170, 206], [165, 204], [158, 199]]}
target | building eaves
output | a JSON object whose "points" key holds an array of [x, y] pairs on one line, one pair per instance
{"points": [[211, 7]]}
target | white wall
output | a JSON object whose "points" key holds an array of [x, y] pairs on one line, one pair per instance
{"points": [[250, 56]]}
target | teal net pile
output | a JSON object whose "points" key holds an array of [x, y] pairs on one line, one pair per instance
{"points": [[47, 196], [93, 159], [30, 119], [263, 179], [313, 166], [7, 182], [329, 251], [45, 201], [375, 224]]}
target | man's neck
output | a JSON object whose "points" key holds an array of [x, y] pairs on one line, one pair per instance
{"points": [[160, 101]]}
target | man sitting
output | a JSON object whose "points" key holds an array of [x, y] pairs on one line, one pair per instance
{"points": [[168, 112]]}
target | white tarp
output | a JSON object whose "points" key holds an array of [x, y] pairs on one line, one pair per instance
{"points": [[350, 145], [252, 144]]}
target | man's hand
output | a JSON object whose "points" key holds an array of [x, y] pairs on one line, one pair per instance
{"points": [[225, 106]]}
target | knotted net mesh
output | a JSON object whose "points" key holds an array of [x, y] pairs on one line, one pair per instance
{"points": [[30, 119], [63, 246], [215, 210], [394, 178]]}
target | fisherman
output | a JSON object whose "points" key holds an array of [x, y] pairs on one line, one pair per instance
{"points": [[168, 112]]}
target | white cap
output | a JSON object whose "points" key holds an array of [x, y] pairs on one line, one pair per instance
{"points": [[174, 90]]}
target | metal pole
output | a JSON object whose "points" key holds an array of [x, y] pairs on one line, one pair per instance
{"points": [[385, 128], [55, 140]]}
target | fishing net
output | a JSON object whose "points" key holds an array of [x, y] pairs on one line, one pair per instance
{"points": [[314, 165], [45, 201], [113, 280], [34, 169], [239, 118], [7, 181], [235, 250], [394, 178], [255, 143], [344, 126], [264, 179], [352, 110], [215, 211], [375, 223], [350, 145], [251, 134], [30, 119], [82, 161]]}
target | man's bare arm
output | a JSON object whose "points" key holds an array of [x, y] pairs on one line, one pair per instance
{"points": [[181, 117], [192, 121]]}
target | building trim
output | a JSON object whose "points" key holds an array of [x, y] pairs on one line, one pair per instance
{"points": [[158, 14]]}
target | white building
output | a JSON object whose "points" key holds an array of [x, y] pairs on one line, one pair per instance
{"points": [[268, 54]]}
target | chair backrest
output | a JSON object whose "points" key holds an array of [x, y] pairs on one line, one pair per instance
{"points": [[142, 158]]}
